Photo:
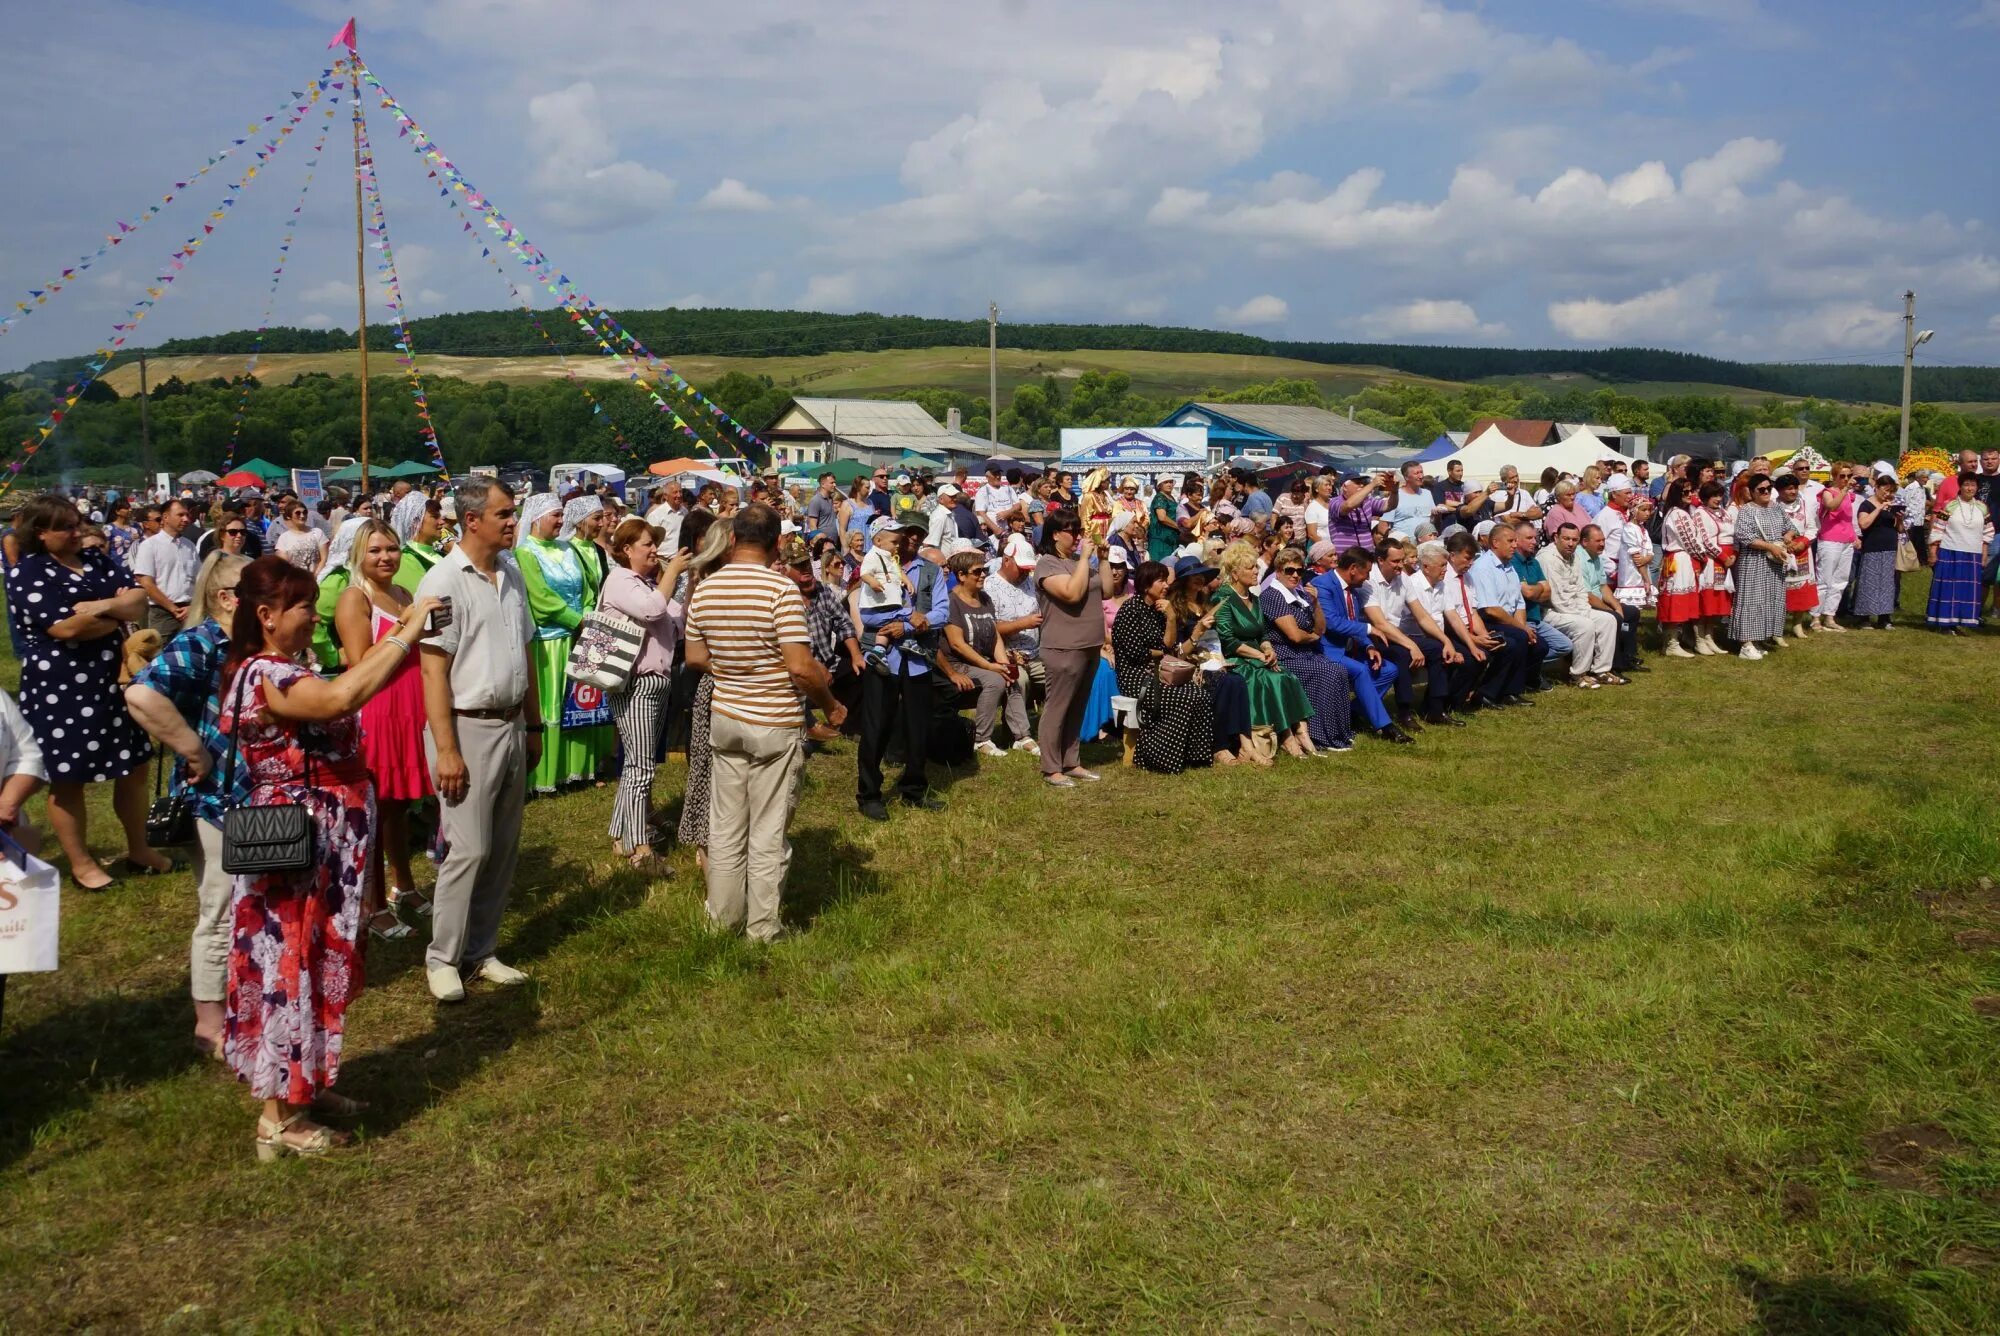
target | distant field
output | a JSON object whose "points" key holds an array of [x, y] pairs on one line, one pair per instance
{"points": [[1562, 382], [868, 373]]}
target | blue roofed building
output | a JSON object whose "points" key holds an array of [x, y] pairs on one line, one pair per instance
{"points": [[1292, 432]]}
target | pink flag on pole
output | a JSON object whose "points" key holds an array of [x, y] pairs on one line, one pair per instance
{"points": [[345, 37]]}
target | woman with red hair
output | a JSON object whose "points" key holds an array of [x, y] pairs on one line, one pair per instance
{"points": [[294, 955]]}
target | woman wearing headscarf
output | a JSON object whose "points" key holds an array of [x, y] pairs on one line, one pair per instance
{"points": [[1801, 587], [334, 579], [1191, 631], [1763, 538], [1959, 539], [562, 587], [417, 520], [582, 518]]}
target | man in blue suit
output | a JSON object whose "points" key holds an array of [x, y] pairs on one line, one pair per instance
{"points": [[1341, 582]]}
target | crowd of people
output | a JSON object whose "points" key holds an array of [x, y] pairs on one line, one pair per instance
{"points": [[400, 666]]}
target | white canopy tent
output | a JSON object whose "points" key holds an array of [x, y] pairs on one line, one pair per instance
{"points": [[1486, 454]]}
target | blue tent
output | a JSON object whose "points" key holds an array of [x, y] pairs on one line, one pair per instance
{"points": [[1437, 449]]}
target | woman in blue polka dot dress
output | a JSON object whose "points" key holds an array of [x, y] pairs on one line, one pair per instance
{"points": [[68, 608]]}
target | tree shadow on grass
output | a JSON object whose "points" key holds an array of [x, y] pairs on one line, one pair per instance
{"points": [[80, 1051], [1822, 1306]]}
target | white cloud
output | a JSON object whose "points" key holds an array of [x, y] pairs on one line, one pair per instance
{"points": [[587, 186], [1678, 310], [1264, 310], [830, 292], [1844, 327], [317, 320], [1427, 318], [731, 195]]}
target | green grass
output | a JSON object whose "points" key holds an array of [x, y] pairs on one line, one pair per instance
{"points": [[871, 374], [1577, 1020]]}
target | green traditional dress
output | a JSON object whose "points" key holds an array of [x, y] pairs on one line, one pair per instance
{"points": [[1277, 699], [561, 588], [418, 558], [325, 648]]}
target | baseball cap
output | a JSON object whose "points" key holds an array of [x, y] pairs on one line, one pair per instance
{"points": [[1020, 549], [1481, 529], [1118, 557], [792, 550], [1320, 551], [882, 524], [950, 489], [1618, 482], [902, 480]]}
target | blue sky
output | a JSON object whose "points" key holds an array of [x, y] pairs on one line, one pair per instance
{"points": [[1753, 180]]}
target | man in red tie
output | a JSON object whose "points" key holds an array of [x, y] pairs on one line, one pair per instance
{"points": [[1341, 583]]}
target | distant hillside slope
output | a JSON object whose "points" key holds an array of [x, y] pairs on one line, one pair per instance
{"points": [[757, 335]]}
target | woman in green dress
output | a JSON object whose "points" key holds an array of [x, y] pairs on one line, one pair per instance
{"points": [[417, 520], [1277, 699], [334, 578], [561, 589]]}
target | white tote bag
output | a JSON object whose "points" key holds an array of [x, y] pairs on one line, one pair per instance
{"points": [[605, 649], [30, 909]]}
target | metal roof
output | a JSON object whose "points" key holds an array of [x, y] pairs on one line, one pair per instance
{"points": [[1296, 422], [878, 420]]}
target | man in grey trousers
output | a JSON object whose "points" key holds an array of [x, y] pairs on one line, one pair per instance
{"points": [[484, 736]]}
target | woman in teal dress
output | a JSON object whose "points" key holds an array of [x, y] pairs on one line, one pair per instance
{"points": [[561, 589], [1277, 699]]}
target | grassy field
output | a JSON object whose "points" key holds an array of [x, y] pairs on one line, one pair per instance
{"points": [[872, 374], [1655, 1010]]}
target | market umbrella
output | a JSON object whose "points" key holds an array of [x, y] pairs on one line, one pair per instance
{"points": [[408, 469], [241, 478], [263, 468], [198, 475]]}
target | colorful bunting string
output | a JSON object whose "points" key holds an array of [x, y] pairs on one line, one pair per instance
{"points": [[378, 231], [40, 296], [583, 312], [176, 263], [277, 274]]}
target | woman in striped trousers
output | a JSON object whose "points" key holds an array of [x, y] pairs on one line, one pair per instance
{"points": [[638, 588]]}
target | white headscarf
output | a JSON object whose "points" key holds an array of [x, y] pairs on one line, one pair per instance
{"points": [[576, 512], [532, 510], [408, 516], [343, 541]]}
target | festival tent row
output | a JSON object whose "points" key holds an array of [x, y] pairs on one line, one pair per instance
{"points": [[1490, 451]]}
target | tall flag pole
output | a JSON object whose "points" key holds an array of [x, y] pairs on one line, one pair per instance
{"points": [[345, 37]]}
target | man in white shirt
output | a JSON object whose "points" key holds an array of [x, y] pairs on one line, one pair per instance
{"points": [[1385, 610], [668, 516], [164, 566], [1011, 587], [1448, 675], [1592, 632], [993, 503], [953, 518]]}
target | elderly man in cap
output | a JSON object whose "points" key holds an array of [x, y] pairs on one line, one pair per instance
{"points": [[830, 631], [1340, 582], [1011, 588], [953, 518], [1615, 520]]}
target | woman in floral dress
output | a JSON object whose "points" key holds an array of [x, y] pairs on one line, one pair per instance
{"points": [[295, 946]]}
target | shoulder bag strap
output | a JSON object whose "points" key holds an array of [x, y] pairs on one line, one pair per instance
{"points": [[235, 727]]}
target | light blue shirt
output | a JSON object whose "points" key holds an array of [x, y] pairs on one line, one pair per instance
{"points": [[1591, 502], [1410, 510], [1493, 584]]}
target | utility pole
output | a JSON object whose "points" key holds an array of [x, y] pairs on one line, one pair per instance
{"points": [[1912, 339], [145, 423], [993, 376], [360, 255]]}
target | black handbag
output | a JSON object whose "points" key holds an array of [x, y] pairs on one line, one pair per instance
{"points": [[270, 837], [170, 820]]}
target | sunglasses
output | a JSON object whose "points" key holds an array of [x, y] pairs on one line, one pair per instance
{"points": [[234, 533], [1291, 570]]}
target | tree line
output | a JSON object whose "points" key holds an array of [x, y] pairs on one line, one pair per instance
{"points": [[313, 417], [752, 333]]}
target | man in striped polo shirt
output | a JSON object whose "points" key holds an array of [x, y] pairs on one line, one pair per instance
{"points": [[746, 626]]}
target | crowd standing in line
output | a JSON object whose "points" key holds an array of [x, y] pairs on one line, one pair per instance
{"points": [[404, 662]]}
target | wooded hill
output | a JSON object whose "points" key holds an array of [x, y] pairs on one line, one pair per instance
{"points": [[751, 333]]}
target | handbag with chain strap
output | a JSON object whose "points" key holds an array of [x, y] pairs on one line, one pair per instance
{"points": [[264, 837]]}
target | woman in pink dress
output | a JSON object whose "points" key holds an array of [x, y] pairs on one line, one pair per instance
{"points": [[392, 722]]}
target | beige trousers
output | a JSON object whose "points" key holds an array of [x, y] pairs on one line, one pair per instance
{"points": [[753, 787]]}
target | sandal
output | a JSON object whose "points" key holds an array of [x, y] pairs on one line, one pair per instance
{"points": [[395, 931], [650, 864], [412, 899], [133, 869], [106, 885], [274, 1141], [1059, 781]]}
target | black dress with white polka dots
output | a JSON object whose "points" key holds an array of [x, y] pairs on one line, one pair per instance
{"points": [[69, 688]]}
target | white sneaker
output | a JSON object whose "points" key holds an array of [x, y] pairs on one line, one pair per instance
{"points": [[987, 749], [1030, 746], [445, 984], [1831, 625], [1802, 630], [493, 972], [1676, 650], [1750, 651], [1707, 645]]}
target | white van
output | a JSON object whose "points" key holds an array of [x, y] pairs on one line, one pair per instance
{"points": [[564, 477]]}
